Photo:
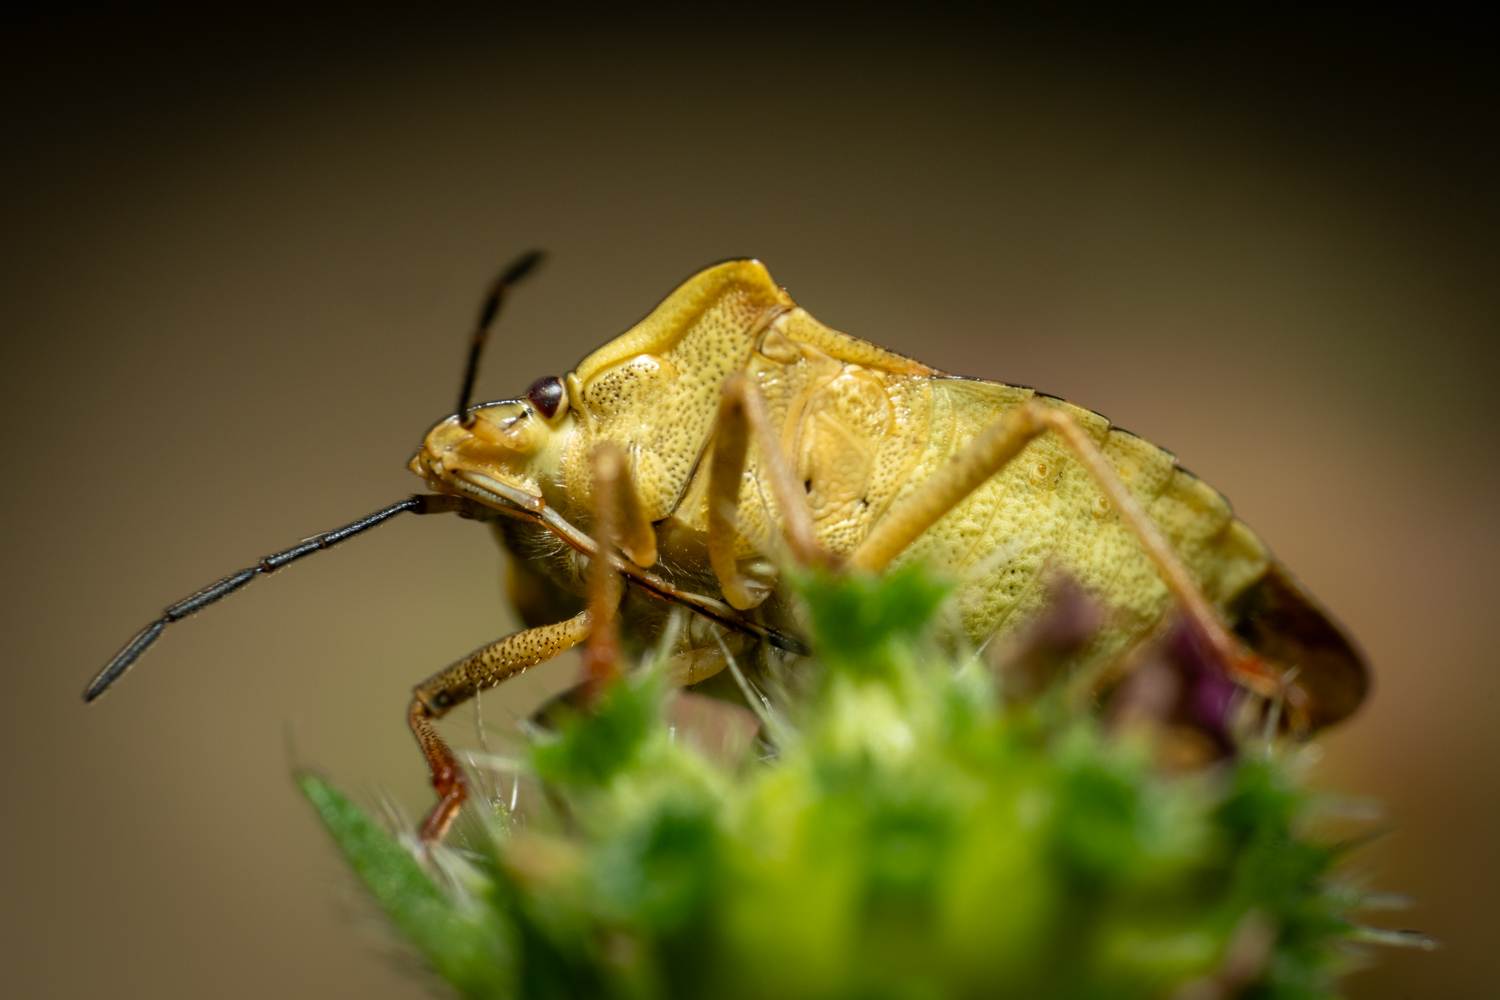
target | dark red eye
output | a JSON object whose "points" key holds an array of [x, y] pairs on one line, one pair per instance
{"points": [[546, 394]]}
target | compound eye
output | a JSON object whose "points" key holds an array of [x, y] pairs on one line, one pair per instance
{"points": [[547, 395]]}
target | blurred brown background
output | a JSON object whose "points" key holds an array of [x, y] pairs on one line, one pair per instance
{"points": [[242, 251]]}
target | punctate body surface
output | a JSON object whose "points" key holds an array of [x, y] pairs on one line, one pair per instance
{"points": [[863, 428], [730, 434]]}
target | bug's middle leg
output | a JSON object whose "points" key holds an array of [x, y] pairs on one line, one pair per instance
{"points": [[481, 669]]}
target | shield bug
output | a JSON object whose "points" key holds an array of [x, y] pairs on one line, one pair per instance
{"points": [[729, 427]]}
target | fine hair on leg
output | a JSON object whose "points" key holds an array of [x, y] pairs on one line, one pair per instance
{"points": [[445, 690]]}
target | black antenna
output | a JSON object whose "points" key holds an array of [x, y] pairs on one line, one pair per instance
{"points": [[208, 595], [523, 265], [420, 504]]}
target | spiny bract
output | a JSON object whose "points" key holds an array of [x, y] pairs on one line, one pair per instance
{"points": [[897, 829]]}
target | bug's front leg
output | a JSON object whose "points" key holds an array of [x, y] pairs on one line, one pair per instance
{"points": [[481, 669]]}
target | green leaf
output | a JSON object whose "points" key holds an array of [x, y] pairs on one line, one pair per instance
{"points": [[469, 948], [857, 619], [913, 835], [593, 747]]}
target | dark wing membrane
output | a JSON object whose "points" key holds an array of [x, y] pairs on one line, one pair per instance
{"points": [[1284, 623]]}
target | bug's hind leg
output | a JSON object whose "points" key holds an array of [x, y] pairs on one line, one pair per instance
{"points": [[997, 446], [481, 669], [743, 419]]}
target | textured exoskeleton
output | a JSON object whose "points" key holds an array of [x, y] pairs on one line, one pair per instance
{"points": [[729, 429], [862, 429]]}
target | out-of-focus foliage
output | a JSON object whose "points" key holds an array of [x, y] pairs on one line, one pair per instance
{"points": [[899, 830]]}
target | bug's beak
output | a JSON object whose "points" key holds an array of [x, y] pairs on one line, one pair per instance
{"points": [[486, 459]]}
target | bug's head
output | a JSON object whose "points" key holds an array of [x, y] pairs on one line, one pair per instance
{"points": [[510, 450]]}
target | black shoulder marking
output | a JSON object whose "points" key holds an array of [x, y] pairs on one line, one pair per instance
{"points": [[1109, 424], [945, 377], [1166, 451], [936, 373]]}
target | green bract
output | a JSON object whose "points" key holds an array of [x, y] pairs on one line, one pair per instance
{"points": [[904, 833]]}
